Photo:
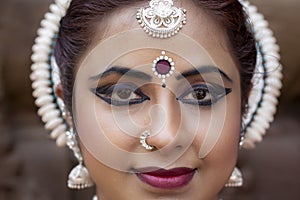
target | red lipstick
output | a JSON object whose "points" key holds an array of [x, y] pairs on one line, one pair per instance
{"points": [[167, 179]]}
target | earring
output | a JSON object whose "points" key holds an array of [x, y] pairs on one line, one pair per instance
{"points": [[79, 177], [242, 135], [242, 139], [236, 179]]}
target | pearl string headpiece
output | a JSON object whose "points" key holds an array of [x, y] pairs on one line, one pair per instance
{"points": [[266, 82]]}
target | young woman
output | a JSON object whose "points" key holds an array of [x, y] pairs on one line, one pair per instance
{"points": [[154, 93]]}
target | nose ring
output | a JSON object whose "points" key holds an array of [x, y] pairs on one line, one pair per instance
{"points": [[143, 141]]}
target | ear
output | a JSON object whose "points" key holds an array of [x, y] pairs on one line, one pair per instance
{"points": [[59, 91], [68, 114]]}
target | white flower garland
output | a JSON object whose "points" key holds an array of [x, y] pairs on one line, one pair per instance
{"points": [[43, 76], [266, 81]]}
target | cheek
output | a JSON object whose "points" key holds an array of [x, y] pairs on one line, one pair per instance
{"points": [[222, 158], [232, 124], [98, 122], [106, 179], [227, 144], [121, 125], [219, 126]]}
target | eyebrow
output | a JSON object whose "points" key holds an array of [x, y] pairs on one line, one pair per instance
{"points": [[122, 71], [203, 70]]}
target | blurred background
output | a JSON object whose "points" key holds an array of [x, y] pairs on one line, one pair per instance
{"points": [[33, 168]]}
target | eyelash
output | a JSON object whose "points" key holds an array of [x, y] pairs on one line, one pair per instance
{"points": [[107, 92], [213, 92]]}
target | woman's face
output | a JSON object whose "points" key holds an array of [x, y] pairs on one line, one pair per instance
{"points": [[194, 122]]}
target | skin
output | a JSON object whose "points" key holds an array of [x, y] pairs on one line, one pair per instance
{"points": [[212, 171]]}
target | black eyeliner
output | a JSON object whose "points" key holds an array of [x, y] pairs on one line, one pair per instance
{"points": [[105, 93], [216, 92]]}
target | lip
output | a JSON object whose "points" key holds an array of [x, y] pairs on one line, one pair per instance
{"points": [[167, 179]]}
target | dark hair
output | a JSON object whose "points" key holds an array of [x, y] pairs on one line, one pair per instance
{"points": [[79, 25]]}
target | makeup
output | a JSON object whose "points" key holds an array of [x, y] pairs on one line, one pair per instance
{"points": [[163, 67], [120, 94], [204, 70], [167, 179], [204, 94], [112, 72], [122, 71]]}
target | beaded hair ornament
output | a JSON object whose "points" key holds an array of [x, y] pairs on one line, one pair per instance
{"points": [[161, 20]]}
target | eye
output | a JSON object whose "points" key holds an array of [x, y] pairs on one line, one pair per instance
{"points": [[203, 94], [120, 94]]}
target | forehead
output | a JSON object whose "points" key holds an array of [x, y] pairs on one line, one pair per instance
{"points": [[201, 27]]}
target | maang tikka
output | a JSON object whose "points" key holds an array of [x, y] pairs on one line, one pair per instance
{"points": [[162, 19]]}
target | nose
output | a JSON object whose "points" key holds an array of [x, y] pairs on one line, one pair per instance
{"points": [[165, 121]]}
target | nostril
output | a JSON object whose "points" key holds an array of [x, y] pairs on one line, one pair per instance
{"points": [[163, 140]]}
